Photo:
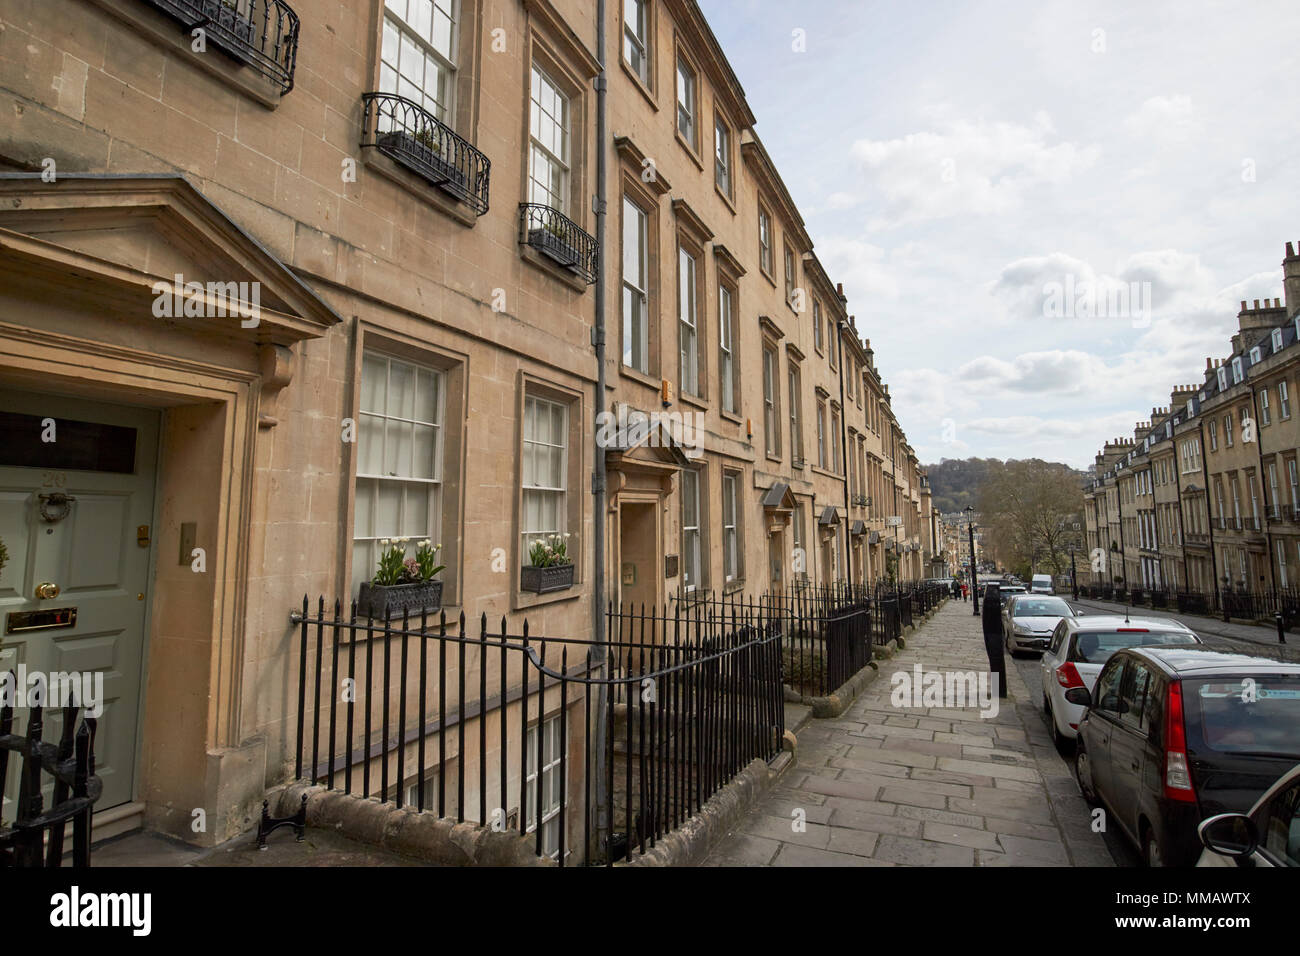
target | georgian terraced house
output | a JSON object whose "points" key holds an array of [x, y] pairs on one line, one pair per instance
{"points": [[1205, 496], [295, 278]]}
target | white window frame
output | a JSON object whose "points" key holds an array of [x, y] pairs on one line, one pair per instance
{"points": [[636, 297], [1283, 400], [796, 427], [533, 489], [419, 40], [722, 155], [1236, 370], [1265, 413], [688, 339], [726, 348], [636, 40], [821, 434], [544, 96], [730, 527], [1277, 340], [688, 84], [691, 553], [369, 486], [1223, 379], [771, 402], [764, 240], [553, 742]]}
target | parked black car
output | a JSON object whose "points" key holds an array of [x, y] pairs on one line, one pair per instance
{"points": [[1173, 735]]}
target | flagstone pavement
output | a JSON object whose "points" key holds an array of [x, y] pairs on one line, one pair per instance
{"points": [[923, 786]]}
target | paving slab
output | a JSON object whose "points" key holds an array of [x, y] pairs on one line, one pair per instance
{"points": [[957, 785]]}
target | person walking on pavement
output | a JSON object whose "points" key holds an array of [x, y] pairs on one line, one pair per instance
{"points": [[992, 621]]}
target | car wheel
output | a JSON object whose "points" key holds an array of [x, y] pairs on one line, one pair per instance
{"points": [[1151, 855], [1083, 774]]}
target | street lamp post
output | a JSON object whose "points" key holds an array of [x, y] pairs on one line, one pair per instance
{"points": [[974, 578], [1074, 580]]}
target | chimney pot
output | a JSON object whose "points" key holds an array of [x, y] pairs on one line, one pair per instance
{"points": [[1243, 305], [1257, 303], [1289, 251]]}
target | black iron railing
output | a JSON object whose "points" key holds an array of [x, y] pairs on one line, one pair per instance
{"points": [[458, 721], [34, 837], [409, 134], [558, 237], [261, 34]]}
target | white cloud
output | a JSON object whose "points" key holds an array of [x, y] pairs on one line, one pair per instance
{"points": [[972, 167]]}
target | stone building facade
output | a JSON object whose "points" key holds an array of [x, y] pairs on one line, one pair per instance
{"points": [[338, 289], [1208, 488]]}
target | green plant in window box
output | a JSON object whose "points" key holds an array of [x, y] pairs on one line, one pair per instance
{"points": [[402, 584], [549, 566]]}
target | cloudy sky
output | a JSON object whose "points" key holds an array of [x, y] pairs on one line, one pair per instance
{"points": [[979, 174]]}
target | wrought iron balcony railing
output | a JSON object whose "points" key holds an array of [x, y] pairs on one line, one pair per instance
{"points": [[558, 237], [410, 135], [262, 34]]}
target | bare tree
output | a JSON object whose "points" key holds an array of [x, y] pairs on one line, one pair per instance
{"points": [[1031, 507]]}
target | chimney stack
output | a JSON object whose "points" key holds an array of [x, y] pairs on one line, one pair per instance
{"points": [[1291, 279]]}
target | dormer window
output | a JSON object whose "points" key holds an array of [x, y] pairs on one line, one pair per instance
{"points": [[1223, 379], [1190, 410], [1255, 356], [1277, 340], [1236, 370]]}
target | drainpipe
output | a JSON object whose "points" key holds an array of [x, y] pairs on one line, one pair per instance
{"points": [[844, 437], [1182, 524], [1119, 503], [1209, 518], [599, 653], [1263, 487]]}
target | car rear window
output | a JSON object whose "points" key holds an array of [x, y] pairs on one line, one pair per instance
{"points": [[1095, 647], [1248, 714], [1040, 607]]}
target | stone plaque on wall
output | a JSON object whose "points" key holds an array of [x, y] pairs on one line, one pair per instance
{"points": [[670, 566]]}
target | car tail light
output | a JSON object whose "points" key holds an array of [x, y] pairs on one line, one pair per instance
{"points": [[1067, 675], [1178, 776]]}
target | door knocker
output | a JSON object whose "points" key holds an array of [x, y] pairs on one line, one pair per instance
{"points": [[51, 504]]}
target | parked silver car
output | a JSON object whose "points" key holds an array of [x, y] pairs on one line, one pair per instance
{"points": [[1028, 621]]}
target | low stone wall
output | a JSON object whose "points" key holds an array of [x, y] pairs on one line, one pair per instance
{"points": [[421, 836], [690, 843]]}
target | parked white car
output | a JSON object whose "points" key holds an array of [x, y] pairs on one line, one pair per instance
{"points": [[1080, 647], [1028, 621], [1267, 836]]}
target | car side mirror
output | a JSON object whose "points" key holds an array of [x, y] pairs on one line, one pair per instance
{"points": [[1229, 834], [1080, 696]]}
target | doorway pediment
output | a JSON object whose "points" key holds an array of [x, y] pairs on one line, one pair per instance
{"points": [[122, 241]]}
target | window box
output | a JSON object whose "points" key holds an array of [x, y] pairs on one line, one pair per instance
{"points": [[552, 244], [414, 138], [557, 577], [387, 601], [560, 239], [426, 155], [265, 39]]}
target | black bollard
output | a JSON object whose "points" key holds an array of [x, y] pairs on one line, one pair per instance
{"points": [[1281, 625]]}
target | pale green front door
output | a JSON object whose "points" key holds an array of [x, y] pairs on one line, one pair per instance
{"points": [[95, 482]]}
